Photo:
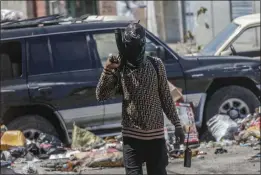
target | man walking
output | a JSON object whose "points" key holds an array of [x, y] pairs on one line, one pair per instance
{"points": [[142, 81]]}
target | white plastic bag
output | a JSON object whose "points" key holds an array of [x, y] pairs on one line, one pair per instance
{"points": [[222, 127], [11, 15]]}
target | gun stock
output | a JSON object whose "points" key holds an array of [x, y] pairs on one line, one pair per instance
{"points": [[120, 45]]}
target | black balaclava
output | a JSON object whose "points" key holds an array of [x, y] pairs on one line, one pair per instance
{"points": [[134, 40]]}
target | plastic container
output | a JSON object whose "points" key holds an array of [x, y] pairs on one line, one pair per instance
{"points": [[10, 139]]}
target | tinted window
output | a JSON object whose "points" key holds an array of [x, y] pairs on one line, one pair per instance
{"points": [[10, 60], [70, 52], [40, 61], [106, 44]]}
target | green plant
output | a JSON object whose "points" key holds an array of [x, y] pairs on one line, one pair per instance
{"points": [[189, 36], [202, 10], [199, 47]]}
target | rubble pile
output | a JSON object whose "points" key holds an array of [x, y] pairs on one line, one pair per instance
{"points": [[227, 132], [90, 151], [87, 150], [242, 131]]}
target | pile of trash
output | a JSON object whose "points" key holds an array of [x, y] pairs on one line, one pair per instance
{"points": [[87, 150], [90, 151], [227, 132], [243, 131]]}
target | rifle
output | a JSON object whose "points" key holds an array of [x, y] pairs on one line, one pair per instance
{"points": [[121, 48]]}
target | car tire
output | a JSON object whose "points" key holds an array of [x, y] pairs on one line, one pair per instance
{"points": [[32, 126], [223, 94]]}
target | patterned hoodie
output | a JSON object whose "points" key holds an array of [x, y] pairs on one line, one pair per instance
{"points": [[145, 93]]}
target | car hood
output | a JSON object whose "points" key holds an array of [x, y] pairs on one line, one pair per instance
{"points": [[213, 64]]}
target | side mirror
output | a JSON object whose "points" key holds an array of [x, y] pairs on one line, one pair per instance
{"points": [[160, 52], [226, 53]]}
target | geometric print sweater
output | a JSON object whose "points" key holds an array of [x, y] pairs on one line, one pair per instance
{"points": [[145, 96]]}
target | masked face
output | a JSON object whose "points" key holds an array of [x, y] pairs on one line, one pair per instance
{"points": [[134, 39]]}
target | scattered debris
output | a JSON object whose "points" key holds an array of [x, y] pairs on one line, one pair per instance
{"points": [[84, 140], [29, 169], [202, 153], [6, 170], [222, 127], [5, 163], [200, 157], [255, 157], [12, 139], [220, 151], [90, 151]]}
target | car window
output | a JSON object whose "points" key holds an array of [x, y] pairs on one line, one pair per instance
{"points": [[40, 62], [248, 40], [70, 52], [212, 47], [10, 60], [106, 44]]}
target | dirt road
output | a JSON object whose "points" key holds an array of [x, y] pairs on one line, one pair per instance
{"points": [[234, 162]]}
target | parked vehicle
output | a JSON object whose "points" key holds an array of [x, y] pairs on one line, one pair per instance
{"points": [[51, 66], [239, 38]]}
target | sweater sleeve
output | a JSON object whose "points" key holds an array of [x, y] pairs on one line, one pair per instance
{"points": [[108, 85], [167, 103]]}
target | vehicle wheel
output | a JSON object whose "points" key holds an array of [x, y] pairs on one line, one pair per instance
{"points": [[234, 101], [32, 126]]}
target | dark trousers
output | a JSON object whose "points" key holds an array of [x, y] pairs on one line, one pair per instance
{"points": [[153, 152]]}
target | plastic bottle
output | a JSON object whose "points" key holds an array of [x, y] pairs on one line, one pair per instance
{"points": [[68, 166]]}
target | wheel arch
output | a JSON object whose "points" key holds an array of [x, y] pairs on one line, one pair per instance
{"points": [[44, 110], [218, 83]]}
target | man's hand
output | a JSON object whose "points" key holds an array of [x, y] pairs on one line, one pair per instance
{"points": [[112, 62], [180, 136]]}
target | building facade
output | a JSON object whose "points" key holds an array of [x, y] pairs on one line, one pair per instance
{"points": [[169, 20], [218, 15]]}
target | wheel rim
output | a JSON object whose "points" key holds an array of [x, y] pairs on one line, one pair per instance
{"points": [[31, 134], [235, 108]]}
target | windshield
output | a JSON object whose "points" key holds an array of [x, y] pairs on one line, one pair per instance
{"points": [[214, 45]]}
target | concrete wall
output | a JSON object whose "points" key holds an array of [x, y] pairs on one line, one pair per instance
{"points": [[217, 16], [160, 19], [171, 15]]}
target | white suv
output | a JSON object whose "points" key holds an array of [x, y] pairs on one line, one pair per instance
{"points": [[241, 37]]}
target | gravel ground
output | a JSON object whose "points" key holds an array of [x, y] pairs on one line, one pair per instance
{"points": [[234, 162]]}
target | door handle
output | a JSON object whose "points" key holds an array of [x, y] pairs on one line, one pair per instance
{"points": [[45, 90]]}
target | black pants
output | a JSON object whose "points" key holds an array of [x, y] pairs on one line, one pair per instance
{"points": [[153, 152]]}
